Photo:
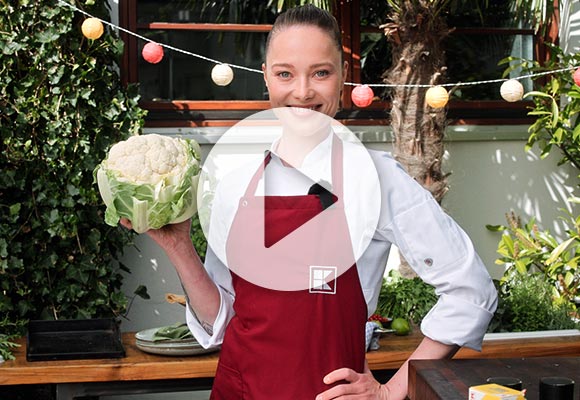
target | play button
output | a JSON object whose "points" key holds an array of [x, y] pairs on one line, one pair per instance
{"points": [[289, 200]]}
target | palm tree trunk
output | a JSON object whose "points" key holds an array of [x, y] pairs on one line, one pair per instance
{"points": [[416, 33]]}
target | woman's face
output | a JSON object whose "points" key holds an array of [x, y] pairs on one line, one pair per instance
{"points": [[303, 69]]}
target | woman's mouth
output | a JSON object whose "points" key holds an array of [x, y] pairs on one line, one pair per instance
{"points": [[304, 110]]}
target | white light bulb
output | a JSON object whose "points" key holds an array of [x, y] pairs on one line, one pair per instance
{"points": [[511, 90], [222, 74]]}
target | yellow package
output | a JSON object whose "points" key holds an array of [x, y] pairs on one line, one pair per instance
{"points": [[494, 391]]}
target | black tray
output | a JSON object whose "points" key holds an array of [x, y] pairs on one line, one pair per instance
{"points": [[73, 339]]}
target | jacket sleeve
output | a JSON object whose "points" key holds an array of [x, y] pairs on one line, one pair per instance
{"points": [[442, 254], [222, 278]]}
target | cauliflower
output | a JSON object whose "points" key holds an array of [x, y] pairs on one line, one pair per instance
{"points": [[150, 180]]}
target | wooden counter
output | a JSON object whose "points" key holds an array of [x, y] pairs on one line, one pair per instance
{"points": [[144, 367], [136, 365]]}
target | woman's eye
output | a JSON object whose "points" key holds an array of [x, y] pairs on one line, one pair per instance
{"points": [[322, 73], [284, 74]]}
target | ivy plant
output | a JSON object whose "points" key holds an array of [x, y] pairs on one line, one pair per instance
{"points": [[62, 105]]}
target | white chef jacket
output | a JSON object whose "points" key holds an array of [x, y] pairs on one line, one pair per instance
{"points": [[438, 250]]}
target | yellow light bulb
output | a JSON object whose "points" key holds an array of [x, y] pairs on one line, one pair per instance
{"points": [[92, 28], [437, 96]]}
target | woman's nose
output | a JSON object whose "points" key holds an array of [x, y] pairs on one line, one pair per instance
{"points": [[303, 89]]}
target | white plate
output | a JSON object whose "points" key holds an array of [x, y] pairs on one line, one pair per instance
{"points": [[175, 351], [172, 344], [171, 347]]}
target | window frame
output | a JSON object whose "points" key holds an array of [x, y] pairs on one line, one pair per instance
{"points": [[201, 113]]}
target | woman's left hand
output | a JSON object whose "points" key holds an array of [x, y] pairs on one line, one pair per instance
{"points": [[359, 386]]}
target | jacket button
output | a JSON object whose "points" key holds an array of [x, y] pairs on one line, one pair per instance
{"points": [[428, 262]]}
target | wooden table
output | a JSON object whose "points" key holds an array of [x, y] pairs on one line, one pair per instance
{"points": [[451, 379], [140, 371]]}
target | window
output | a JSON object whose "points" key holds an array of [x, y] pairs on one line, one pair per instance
{"points": [[473, 48], [179, 92]]}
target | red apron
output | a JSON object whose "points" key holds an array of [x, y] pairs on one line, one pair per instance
{"points": [[280, 344]]}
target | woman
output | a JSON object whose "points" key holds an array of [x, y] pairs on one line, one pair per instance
{"points": [[274, 343]]}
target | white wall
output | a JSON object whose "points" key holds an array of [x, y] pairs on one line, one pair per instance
{"points": [[569, 32], [492, 178], [490, 175]]}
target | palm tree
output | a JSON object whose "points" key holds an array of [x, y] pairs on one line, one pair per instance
{"points": [[416, 30]]}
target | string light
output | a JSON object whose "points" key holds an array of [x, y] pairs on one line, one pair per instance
{"points": [[92, 28], [437, 96], [576, 77], [370, 85], [362, 96], [152, 53], [222, 74], [511, 90]]}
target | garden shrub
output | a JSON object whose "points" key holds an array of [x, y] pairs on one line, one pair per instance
{"points": [[527, 304]]}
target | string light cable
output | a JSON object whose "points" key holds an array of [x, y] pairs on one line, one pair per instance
{"points": [[169, 47], [362, 95], [500, 80]]}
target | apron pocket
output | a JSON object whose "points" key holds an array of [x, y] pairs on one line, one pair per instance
{"points": [[227, 384]]}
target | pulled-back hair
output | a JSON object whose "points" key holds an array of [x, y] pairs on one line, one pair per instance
{"points": [[307, 15]]}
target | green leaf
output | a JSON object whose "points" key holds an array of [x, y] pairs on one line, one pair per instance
{"points": [[538, 94], [555, 86], [576, 133], [569, 278], [535, 113], [521, 266], [558, 250], [3, 249], [47, 36], [141, 291], [555, 113], [15, 209]]}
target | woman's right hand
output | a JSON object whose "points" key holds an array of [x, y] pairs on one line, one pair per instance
{"points": [[169, 237]]}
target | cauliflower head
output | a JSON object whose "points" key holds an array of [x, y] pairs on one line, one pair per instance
{"points": [[151, 180]]}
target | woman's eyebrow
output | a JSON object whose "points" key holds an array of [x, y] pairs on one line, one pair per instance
{"points": [[324, 64], [313, 66], [282, 65]]}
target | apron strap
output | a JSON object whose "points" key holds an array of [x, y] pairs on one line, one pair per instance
{"points": [[337, 176]]}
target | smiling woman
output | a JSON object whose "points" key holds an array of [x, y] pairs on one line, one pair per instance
{"points": [[274, 337]]}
